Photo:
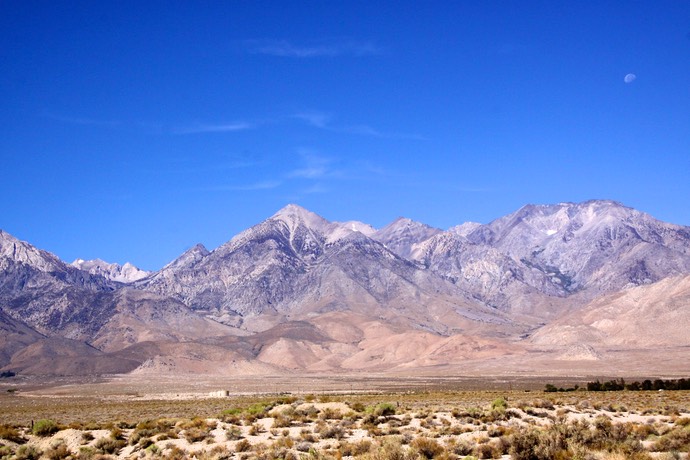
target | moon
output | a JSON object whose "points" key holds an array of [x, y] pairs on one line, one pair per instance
{"points": [[629, 78]]}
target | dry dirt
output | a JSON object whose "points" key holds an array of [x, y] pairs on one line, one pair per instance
{"points": [[455, 412], [364, 423]]}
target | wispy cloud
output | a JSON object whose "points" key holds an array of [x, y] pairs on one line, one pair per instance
{"points": [[81, 120], [367, 169], [324, 120], [315, 118], [314, 189], [264, 185], [216, 128], [328, 48], [195, 168], [314, 166], [365, 130]]}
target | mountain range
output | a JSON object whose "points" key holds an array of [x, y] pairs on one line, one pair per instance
{"points": [[565, 288]]}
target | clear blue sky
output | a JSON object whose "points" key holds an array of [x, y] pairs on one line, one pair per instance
{"points": [[132, 130]]}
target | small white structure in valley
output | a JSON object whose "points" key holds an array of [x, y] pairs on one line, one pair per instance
{"points": [[219, 394]]}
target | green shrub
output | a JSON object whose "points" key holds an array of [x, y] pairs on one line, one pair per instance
{"points": [[330, 430], [428, 447], [282, 421], [86, 437], [243, 446], [216, 453], [109, 445], [195, 434], [534, 444], [58, 451], [144, 443], [45, 427], [27, 453], [286, 400], [357, 406], [331, 414], [175, 453], [87, 453], [233, 433], [6, 452], [499, 403], [355, 449], [384, 410], [308, 413], [391, 449], [256, 429], [197, 429], [678, 439], [683, 421], [257, 409], [116, 433], [10, 433], [486, 450]]}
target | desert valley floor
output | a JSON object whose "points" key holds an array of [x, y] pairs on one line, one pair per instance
{"points": [[318, 417]]}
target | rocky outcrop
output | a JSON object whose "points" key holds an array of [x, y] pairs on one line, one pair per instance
{"points": [[126, 273]]}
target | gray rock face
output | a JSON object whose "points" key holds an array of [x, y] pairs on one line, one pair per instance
{"points": [[39, 289], [492, 282], [484, 272], [403, 235], [252, 273], [297, 262], [42, 296], [126, 273], [598, 246], [19, 260], [548, 251]]}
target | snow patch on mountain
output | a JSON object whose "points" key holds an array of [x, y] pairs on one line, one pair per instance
{"points": [[465, 229], [356, 226]]}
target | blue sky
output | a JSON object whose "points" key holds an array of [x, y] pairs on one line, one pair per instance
{"points": [[130, 131]]}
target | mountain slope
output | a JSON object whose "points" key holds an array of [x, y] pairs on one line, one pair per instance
{"points": [[648, 316], [47, 304], [581, 283], [297, 263], [544, 260], [14, 336], [599, 246]]}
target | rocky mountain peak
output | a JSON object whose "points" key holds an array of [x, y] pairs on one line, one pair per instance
{"points": [[531, 224], [126, 273], [497, 280], [189, 257], [403, 234], [22, 252], [293, 216]]}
